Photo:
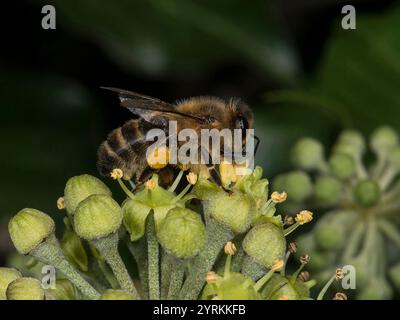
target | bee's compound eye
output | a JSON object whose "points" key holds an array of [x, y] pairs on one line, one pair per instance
{"points": [[242, 123]]}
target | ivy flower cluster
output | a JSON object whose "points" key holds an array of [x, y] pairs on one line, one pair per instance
{"points": [[359, 190], [203, 242]]}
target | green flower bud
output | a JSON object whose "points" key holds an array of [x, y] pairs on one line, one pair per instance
{"points": [[28, 228], [7, 275], [112, 294], [308, 154], [367, 193], [182, 233], [329, 236], [394, 274], [234, 286], [97, 216], [64, 290], [354, 139], [235, 211], [342, 165], [328, 190], [25, 289], [376, 289], [279, 287], [297, 184], [384, 139], [74, 251], [362, 267], [78, 188], [265, 243], [331, 230], [394, 158]]}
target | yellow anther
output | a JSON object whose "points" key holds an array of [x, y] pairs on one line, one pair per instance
{"points": [[191, 178], [277, 197], [283, 297], [304, 259], [277, 265], [288, 220], [292, 247], [339, 274], [304, 216], [117, 174], [60, 203], [150, 184], [304, 276], [212, 277], [340, 296], [230, 248]]}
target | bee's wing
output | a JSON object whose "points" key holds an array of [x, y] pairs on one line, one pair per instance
{"points": [[145, 106]]}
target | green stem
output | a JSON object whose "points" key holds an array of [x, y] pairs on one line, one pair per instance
{"points": [[99, 267], [390, 231], [125, 189], [49, 252], [176, 181], [138, 249], [237, 261], [326, 287], [354, 241], [108, 248], [183, 192], [260, 283], [217, 237], [153, 265], [227, 268], [176, 279], [283, 270], [167, 267], [294, 276], [290, 229], [387, 177]]}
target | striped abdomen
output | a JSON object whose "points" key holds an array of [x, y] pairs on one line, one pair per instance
{"points": [[124, 149]]}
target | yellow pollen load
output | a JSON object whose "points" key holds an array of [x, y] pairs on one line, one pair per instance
{"points": [[117, 174], [60, 203], [304, 216], [158, 158], [227, 172]]}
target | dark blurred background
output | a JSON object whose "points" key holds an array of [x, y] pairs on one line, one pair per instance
{"points": [[289, 59]]}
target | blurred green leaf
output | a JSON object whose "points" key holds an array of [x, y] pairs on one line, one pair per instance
{"points": [[357, 80], [47, 130], [180, 36]]}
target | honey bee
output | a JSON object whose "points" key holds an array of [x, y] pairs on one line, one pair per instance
{"points": [[125, 147]]}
